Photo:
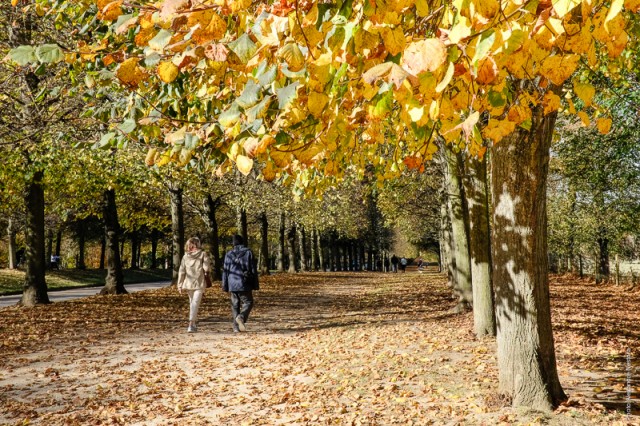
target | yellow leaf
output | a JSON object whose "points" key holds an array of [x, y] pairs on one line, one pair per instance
{"points": [[585, 118], [394, 40], [111, 11], [265, 142], [562, 7], [460, 31], [632, 5], [614, 10], [14, 3], [268, 172], [487, 71], [316, 103], [239, 5], [446, 79], [559, 68], [293, 56], [604, 125], [214, 30], [129, 72], [244, 164], [424, 55], [422, 7], [551, 102], [167, 71], [151, 157], [584, 91]]}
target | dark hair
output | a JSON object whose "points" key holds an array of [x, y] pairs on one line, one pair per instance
{"points": [[238, 240]]}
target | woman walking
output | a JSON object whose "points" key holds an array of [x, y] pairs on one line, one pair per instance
{"points": [[195, 264]]}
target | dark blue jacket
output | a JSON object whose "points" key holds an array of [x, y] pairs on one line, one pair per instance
{"points": [[239, 271]]}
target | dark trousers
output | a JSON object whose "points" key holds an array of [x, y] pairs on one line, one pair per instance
{"points": [[241, 304]]}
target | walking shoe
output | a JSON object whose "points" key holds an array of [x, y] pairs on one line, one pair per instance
{"points": [[191, 329], [240, 322]]}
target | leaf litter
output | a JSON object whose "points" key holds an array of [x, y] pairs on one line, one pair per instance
{"points": [[322, 348]]}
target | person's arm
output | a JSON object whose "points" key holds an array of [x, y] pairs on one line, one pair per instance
{"points": [[225, 273], [182, 273], [206, 263]]}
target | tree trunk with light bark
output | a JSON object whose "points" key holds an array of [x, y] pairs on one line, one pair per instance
{"points": [[526, 354]]}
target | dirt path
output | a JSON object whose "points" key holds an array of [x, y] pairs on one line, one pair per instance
{"points": [[368, 349]]}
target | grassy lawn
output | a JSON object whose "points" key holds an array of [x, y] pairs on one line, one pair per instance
{"points": [[11, 281]]}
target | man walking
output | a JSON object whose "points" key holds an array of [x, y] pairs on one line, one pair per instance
{"points": [[240, 278]]}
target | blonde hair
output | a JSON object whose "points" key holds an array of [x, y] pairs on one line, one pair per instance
{"points": [[192, 244]]}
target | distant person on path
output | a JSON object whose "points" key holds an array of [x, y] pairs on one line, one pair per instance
{"points": [[386, 264], [240, 278], [394, 263], [194, 265], [403, 264]]}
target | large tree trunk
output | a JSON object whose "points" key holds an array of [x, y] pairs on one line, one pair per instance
{"points": [[480, 247], [526, 354], [35, 286], [81, 244], [264, 241], [211, 206], [114, 283], [58, 242], [281, 239], [177, 230], [154, 248], [13, 257], [302, 246], [291, 248], [458, 219]]}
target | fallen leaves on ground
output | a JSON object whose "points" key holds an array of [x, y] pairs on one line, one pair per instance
{"points": [[322, 348]]}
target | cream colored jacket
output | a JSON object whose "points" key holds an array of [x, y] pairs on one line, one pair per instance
{"points": [[192, 269]]}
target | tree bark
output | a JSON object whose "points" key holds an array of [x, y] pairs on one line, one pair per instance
{"points": [[103, 251], [281, 245], [154, 248], [314, 263], [49, 253], [459, 236], [320, 251], [81, 244], [480, 247], [242, 225], [291, 248], [264, 241], [35, 286], [134, 249], [446, 244], [177, 230], [302, 246], [114, 283], [58, 242], [210, 208], [11, 233], [526, 354], [604, 271]]}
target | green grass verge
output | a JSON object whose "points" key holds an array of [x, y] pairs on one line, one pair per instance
{"points": [[11, 281]]}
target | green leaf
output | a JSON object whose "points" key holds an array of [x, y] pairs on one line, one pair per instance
{"points": [[484, 44], [106, 141], [23, 55], [266, 75], [287, 94], [250, 95], [229, 117], [258, 110], [49, 53], [127, 126], [243, 47], [495, 99], [160, 41]]}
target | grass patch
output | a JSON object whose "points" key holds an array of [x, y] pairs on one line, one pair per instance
{"points": [[11, 281]]}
